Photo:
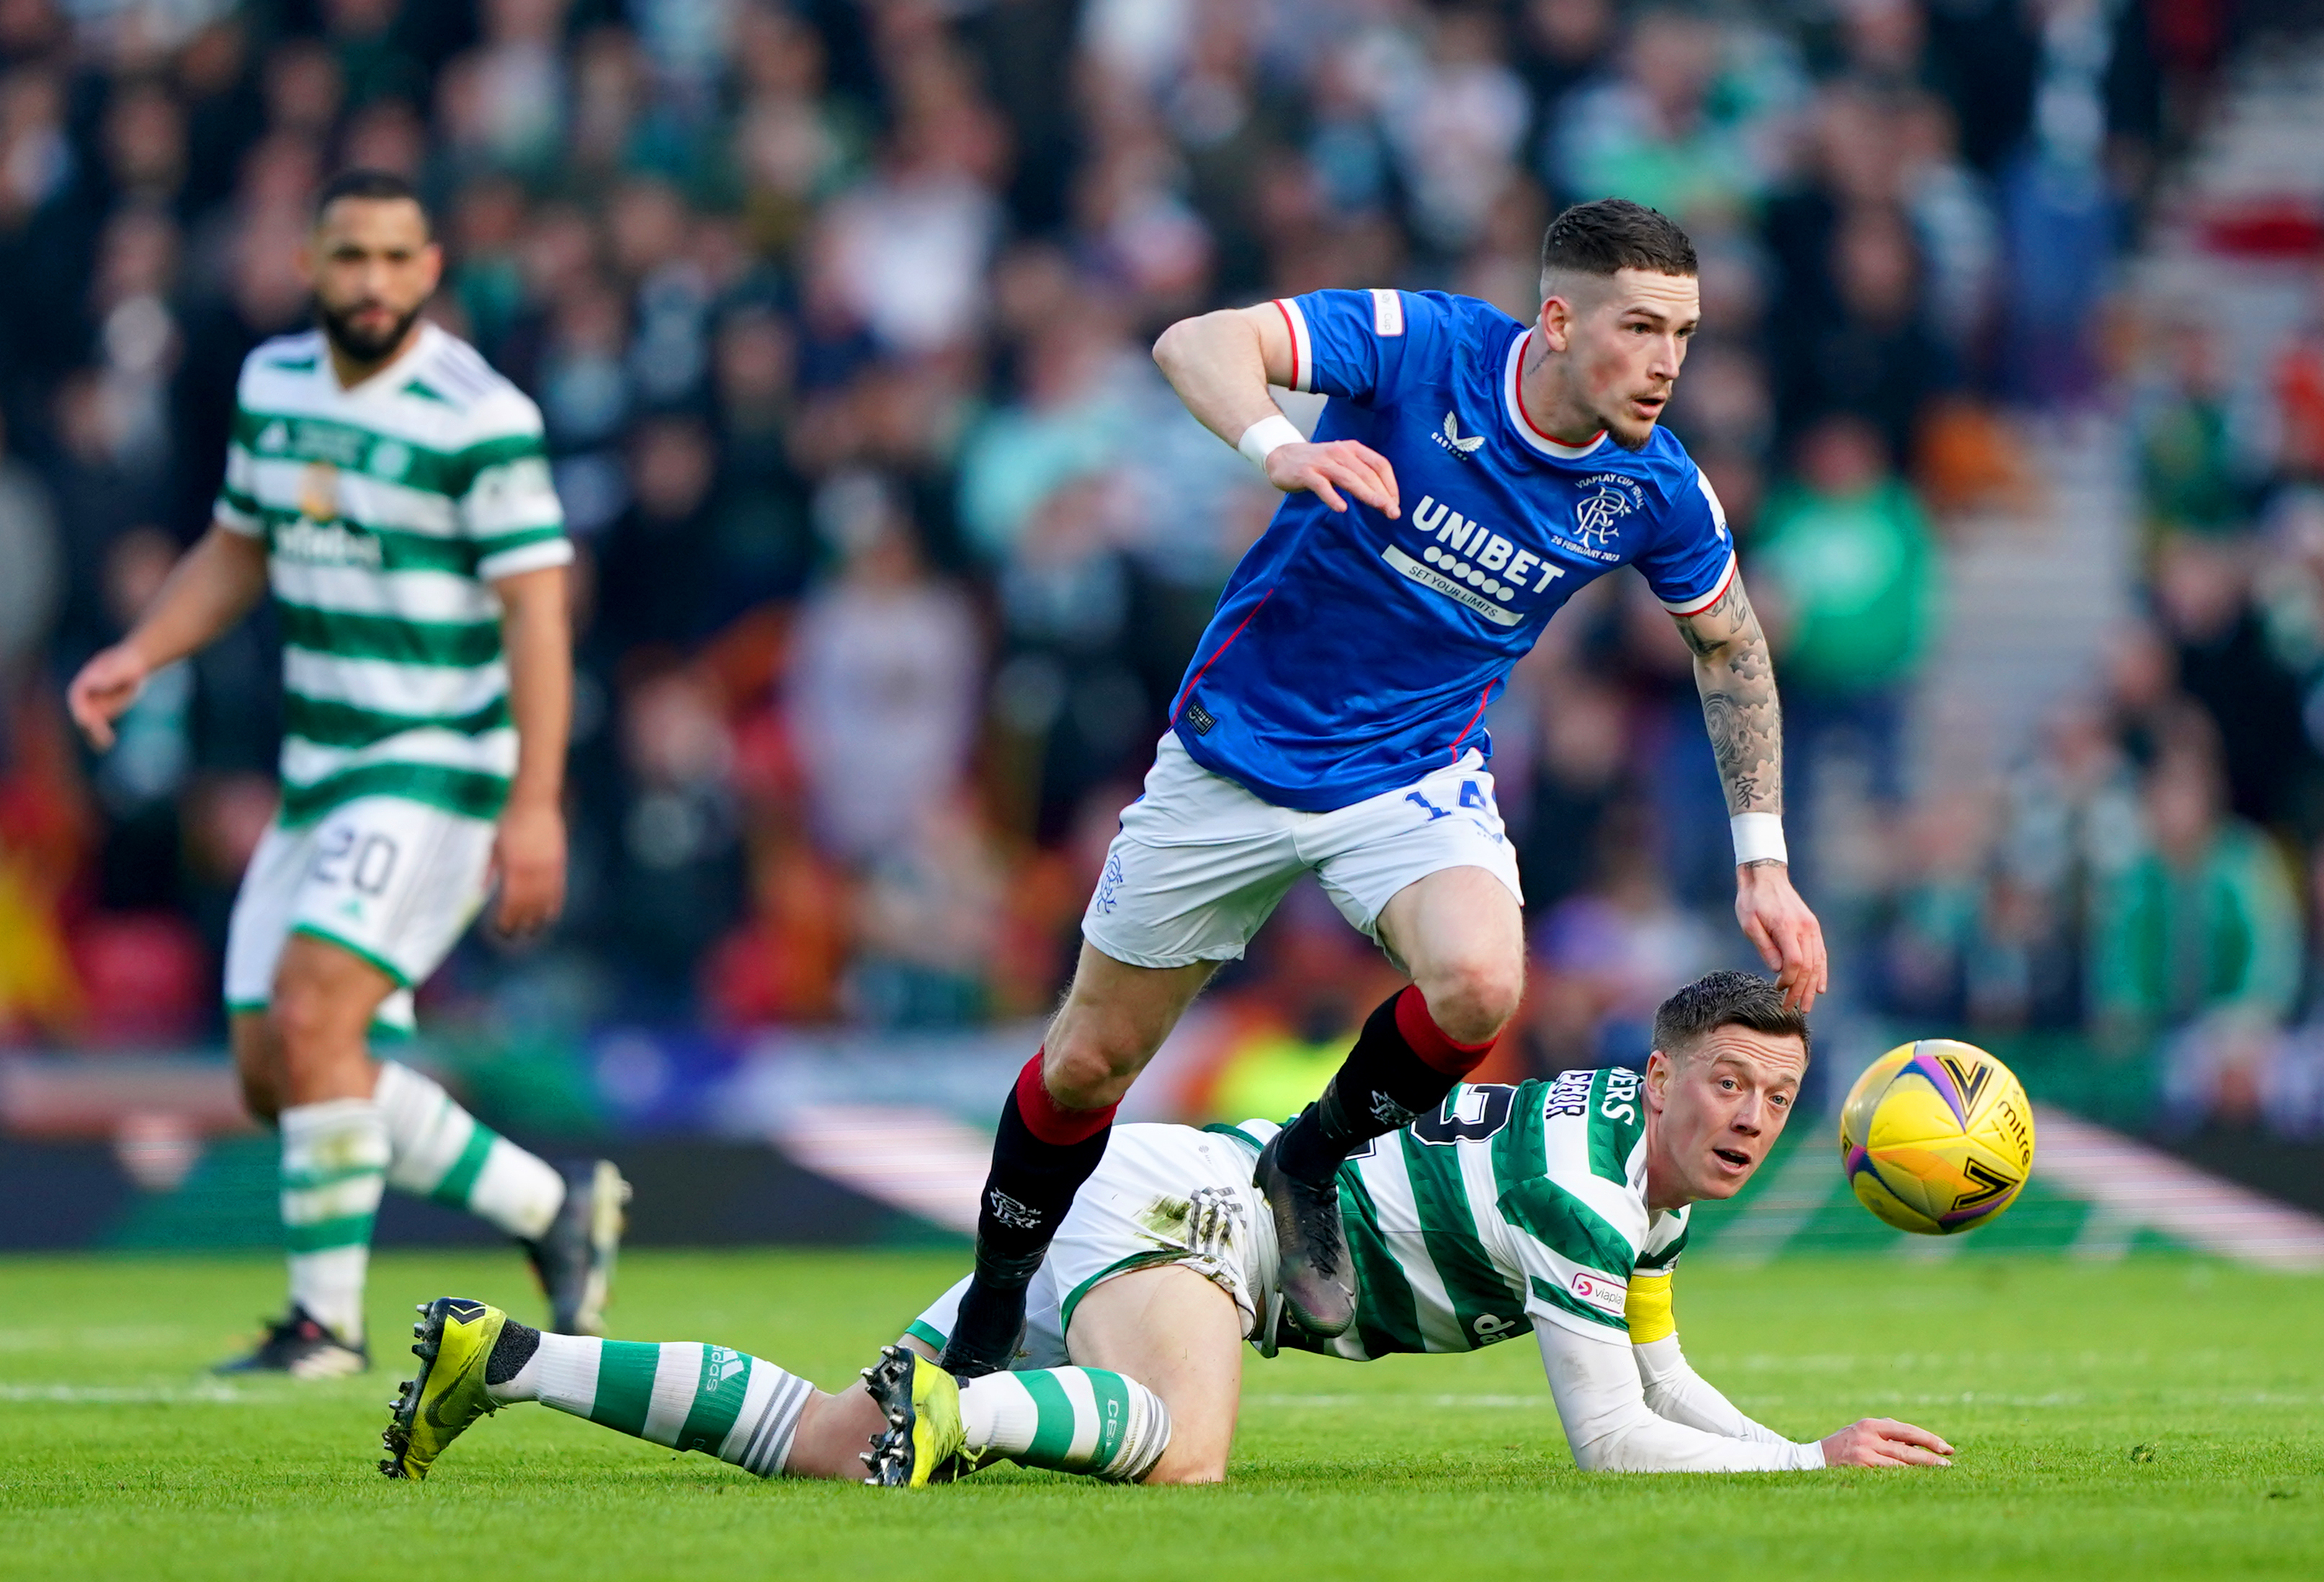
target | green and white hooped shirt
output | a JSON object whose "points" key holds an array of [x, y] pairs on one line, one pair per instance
{"points": [[1504, 1208], [387, 511], [1522, 1211]]}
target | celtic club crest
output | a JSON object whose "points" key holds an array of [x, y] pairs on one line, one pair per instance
{"points": [[318, 492]]}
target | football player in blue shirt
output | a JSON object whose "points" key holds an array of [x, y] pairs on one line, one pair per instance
{"points": [[1469, 474]]}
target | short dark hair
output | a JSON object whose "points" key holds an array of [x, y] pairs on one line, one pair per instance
{"points": [[1723, 999], [1614, 233], [378, 186]]}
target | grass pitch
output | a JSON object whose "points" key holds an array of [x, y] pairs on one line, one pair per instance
{"points": [[2158, 1417]]}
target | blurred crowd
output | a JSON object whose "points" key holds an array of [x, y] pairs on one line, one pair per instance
{"points": [[2154, 874], [893, 543]]}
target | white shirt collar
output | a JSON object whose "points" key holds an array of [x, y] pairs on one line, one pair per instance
{"points": [[422, 346]]}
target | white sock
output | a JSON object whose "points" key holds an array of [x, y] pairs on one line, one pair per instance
{"points": [[334, 1166], [740, 1409], [442, 1151]]}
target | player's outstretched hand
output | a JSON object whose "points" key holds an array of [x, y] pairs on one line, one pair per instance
{"points": [[1883, 1441], [103, 691], [1323, 470], [529, 855], [1789, 938]]}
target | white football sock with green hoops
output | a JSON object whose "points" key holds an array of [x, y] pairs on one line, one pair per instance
{"points": [[1087, 1419], [444, 1153], [334, 1167], [681, 1393]]}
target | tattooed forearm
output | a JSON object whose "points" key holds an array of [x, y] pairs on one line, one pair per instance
{"points": [[1740, 710]]}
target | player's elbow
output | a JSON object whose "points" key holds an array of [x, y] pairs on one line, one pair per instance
{"points": [[1599, 1453], [1620, 1448], [1173, 347], [1190, 341]]}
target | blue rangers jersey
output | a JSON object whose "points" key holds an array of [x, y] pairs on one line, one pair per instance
{"points": [[1354, 653]]}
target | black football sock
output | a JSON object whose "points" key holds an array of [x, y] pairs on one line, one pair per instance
{"points": [[1027, 1195], [1383, 1084], [511, 1352]]}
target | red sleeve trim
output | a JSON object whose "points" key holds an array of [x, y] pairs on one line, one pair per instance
{"points": [[1710, 598], [1291, 329]]}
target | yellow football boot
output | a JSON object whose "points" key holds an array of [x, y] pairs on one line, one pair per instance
{"points": [[924, 1442], [455, 1340]]}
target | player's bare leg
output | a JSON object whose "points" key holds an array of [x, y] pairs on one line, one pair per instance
{"points": [[352, 1124], [834, 1430], [257, 1063], [1181, 1337], [1052, 1135], [325, 997], [1114, 1017], [305, 1060], [570, 1222], [1462, 936]]}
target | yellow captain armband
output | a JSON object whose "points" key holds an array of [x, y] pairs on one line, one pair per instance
{"points": [[1647, 1309]]}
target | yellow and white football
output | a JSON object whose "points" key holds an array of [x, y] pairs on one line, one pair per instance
{"points": [[1937, 1137]]}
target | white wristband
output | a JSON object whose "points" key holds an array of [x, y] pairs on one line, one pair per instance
{"points": [[1758, 838], [1264, 436]]}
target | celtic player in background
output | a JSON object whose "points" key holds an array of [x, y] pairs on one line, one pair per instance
{"points": [[1556, 1209], [392, 490]]}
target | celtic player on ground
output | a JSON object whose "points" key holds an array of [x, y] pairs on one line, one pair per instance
{"points": [[391, 491], [1557, 1210]]}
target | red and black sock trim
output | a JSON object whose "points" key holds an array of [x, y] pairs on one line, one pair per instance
{"points": [[1403, 1065]]}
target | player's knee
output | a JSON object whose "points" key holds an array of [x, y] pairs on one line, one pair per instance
{"points": [[1093, 1053], [307, 1018], [1085, 1070], [1471, 1000]]}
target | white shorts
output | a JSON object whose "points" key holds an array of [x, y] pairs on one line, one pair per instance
{"points": [[395, 881], [1164, 1194], [1201, 863]]}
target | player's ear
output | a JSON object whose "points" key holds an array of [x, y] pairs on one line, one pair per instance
{"points": [[1658, 1077], [1557, 318]]}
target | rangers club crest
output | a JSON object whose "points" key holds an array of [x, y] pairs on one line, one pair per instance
{"points": [[1597, 515]]}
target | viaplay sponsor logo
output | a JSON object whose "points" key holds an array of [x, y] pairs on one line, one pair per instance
{"points": [[1602, 1291]]}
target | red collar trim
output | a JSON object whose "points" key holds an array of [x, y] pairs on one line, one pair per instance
{"points": [[1549, 442]]}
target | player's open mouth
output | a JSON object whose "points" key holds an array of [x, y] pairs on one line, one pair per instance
{"points": [[1734, 1157]]}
